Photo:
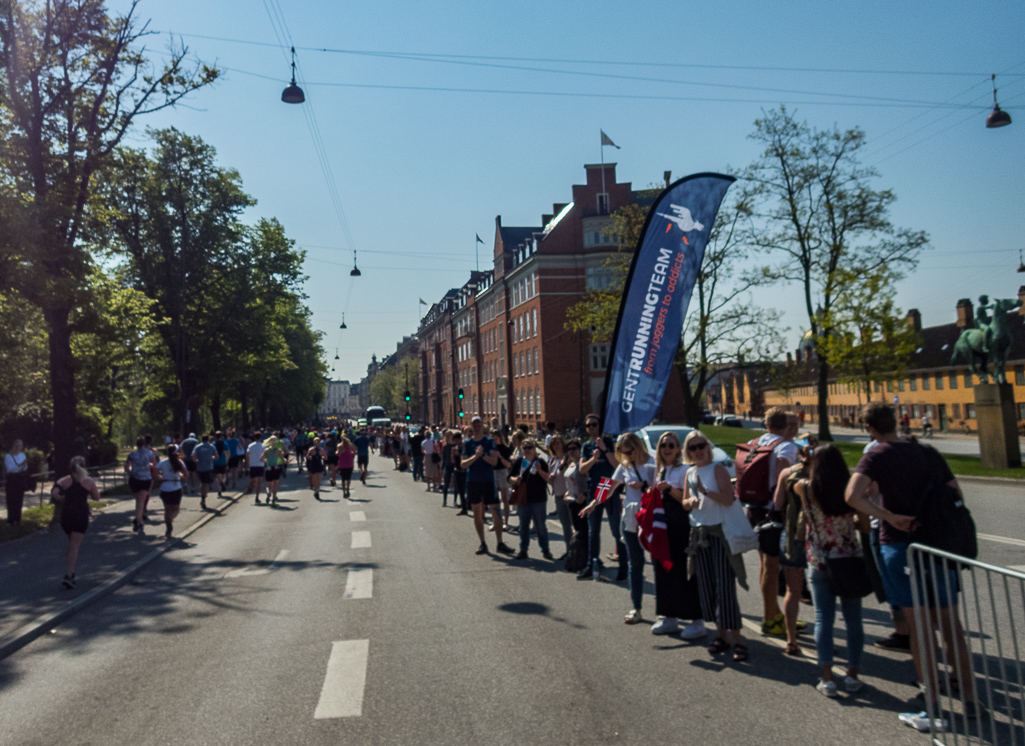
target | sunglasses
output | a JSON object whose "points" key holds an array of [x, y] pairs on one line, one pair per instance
{"points": [[696, 446], [627, 451], [528, 448], [591, 424], [573, 448], [669, 446]]}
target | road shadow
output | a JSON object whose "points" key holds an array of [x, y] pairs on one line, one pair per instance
{"points": [[532, 608]]}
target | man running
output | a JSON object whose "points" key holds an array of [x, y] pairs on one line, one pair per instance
{"points": [[234, 456], [479, 459], [256, 468], [204, 454], [185, 449], [362, 443], [221, 462]]}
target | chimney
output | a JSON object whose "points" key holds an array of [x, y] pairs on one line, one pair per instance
{"points": [[965, 314], [797, 355], [790, 359], [668, 177], [915, 319]]}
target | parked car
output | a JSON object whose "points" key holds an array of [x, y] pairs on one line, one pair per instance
{"points": [[652, 433], [708, 418], [731, 421]]}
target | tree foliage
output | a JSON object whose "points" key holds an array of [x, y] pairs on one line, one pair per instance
{"points": [[389, 385], [812, 206]]}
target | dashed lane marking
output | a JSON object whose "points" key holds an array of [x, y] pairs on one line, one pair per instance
{"points": [[357, 516], [360, 539], [346, 679], [246, 572], [359, 584], [1002, 540]]}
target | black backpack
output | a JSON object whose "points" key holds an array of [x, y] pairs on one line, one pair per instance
{"points": [[944, 521]]}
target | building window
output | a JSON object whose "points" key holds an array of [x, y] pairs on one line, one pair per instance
{"points": [[925, 383], [969, 411], [603, 203], [968, 380], [889, 386], [914, 410], [1019, 377], [900, 385], [879, 387], [524, 370], [533, 322], [1021, 411], [913, 383], [537, 368], [599, 357], [957, 410], [953, 380], [516, 367], [537, 401], [939, 382], [598, 278]]}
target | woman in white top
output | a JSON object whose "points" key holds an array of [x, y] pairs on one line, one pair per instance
{"points": [[170, 472], [707, 493], [139, 468], [676, 595], [16, 468], [558, 463], [576, 499], [636, 470]]}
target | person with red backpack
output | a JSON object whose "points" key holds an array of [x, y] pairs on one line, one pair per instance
{"points": [[758, 464]]}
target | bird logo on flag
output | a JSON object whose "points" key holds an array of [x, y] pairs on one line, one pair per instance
{"points": [[683, 219]]}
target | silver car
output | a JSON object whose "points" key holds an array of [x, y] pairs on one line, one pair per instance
{"points": [[652, 433]]}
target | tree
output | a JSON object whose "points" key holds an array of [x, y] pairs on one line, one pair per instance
{"points": [[812, 205], [870, 340], [73, 82], [722, 324]]}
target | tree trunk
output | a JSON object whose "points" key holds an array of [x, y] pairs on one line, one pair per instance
{"points": [[215, 411], [62, 387], [823, 403], [691, 403]]}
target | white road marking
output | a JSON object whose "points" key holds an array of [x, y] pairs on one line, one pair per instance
{"points": [[346, 678], [1002, 540], [360, 539], [246, 572], [359, 584], [357, 515]]}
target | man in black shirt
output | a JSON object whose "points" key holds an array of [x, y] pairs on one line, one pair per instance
{"points": [[598, 460], [416, 450]]}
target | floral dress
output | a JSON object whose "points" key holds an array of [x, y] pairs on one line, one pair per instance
{"points": [[830, 536]]}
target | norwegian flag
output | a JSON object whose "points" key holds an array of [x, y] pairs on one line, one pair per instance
{"points": [[651, 522], [603, 490]]}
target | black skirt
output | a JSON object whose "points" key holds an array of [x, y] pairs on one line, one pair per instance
{"points": [[675, 596]]}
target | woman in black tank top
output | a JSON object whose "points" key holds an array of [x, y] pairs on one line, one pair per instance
{"points": [[74, 492]]}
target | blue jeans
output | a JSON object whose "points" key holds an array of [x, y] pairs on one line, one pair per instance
{"points": [[418, 468], [536, 512], [614, 507], [825, 614], [635, 579]]}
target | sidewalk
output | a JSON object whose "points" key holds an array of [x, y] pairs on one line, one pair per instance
{"points": [[32, 567]]}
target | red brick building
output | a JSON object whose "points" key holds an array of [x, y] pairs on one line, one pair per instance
{"points": [[502, 337]]}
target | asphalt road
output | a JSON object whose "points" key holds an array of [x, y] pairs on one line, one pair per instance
{"points": [[371, 621]]}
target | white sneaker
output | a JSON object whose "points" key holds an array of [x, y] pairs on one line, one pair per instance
{"points": [[694, 631], [632, 617], [827, 688], [920, 721], [851, 684], [665, 626]]}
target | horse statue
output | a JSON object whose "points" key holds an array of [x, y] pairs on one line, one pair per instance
{"points": [[989, 345]]}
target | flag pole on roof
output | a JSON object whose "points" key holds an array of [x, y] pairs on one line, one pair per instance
{"points": [[479, 240], [605, 140]]}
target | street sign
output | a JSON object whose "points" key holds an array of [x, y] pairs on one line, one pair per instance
{"points": [[895, 399]]}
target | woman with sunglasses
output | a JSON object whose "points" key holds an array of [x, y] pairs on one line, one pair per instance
{"points": [[534, 470], [502, 470], [676, 596], [576, 499], [558, 463], [707, 494], [636, 471]]}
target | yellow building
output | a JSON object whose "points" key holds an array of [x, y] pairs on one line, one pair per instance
{"points": [[931, 385]]}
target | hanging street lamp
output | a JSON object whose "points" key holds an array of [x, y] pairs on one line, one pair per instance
{"points": [[998, 117], [293, 94]]}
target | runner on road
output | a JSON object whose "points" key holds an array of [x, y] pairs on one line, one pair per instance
{"points": [[139, 468], [73, 492], [221, 462], [186, 451], [274, 458], [362, 443], [204, 454], [346, 460], [256, 468], [315, 466], [171, 471], [235, 454], [479, 459]]}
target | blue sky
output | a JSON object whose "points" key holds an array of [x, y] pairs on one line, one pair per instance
{"points": [[418, 172]]}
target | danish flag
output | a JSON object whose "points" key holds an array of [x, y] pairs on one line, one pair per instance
{"points": [[603, 490], [651, 522]]}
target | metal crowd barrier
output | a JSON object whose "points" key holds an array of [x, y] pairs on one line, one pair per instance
{"points": [[981, 650], [106, 477]]}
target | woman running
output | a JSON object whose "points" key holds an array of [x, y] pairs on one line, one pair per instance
{"points": [[274, 457], [73, 492], [139, 468], [170, 471], [315, 457], [346, 462]]}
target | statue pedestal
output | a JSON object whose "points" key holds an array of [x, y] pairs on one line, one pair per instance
{"points": [[998, 425]]}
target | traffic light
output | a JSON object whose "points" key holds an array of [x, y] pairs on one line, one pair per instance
{"points": [[408, 416], [406, 395], [460, 395]]}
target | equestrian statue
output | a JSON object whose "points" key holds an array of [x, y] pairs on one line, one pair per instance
{"points": [[988, 345]]}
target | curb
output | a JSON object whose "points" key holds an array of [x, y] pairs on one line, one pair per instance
{"points": [[43, 624], [989, 480]]}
